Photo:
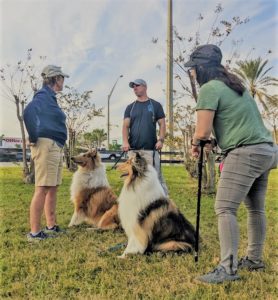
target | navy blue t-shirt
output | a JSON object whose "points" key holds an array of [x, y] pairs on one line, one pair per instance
{"points": [[143, 117]]}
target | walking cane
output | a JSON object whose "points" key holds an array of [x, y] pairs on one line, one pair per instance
{"points": [[200, 169]]}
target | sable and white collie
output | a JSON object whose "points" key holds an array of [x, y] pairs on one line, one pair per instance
{"points": [[151, 221], [94, 201]]}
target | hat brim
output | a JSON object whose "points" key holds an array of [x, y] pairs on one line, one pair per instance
{"points": [[189, 64], [65, 75], [131, 84]]}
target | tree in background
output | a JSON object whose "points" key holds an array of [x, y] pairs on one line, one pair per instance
{"points": [[79, 112], [18, 84], [95, 138], [218, 33], [254, 74], [271, 116], [115, 146]]}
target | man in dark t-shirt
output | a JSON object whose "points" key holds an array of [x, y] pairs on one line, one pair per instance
{"points": [[139, 126]]}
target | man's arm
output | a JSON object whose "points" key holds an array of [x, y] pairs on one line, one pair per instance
{"points": [[162, 132], [125, 134]]}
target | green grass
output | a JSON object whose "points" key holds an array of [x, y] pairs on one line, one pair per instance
{"points": [[77, 265]]}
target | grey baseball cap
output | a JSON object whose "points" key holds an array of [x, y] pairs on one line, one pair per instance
{"points": [[52, 71], [205, 54], [137, 81]]}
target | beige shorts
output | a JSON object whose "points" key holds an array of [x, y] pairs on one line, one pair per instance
{"points": [[48, 159]]}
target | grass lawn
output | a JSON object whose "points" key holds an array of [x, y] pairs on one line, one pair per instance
{"points": [[77, 265]]}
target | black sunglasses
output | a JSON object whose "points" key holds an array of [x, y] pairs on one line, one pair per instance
{"points": [[135, 85]]}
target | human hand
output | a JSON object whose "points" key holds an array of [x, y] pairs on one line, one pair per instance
{"points": [[30, 144], [195, 151], [159, 145], [125, 147], [208, 147]]}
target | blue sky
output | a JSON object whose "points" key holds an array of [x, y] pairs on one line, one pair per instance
{"points": [[95, 41]]}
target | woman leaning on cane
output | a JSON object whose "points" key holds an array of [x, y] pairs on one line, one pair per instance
{"points": [[226, 109]]}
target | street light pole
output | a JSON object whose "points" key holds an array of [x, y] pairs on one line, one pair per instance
{"points": [[108, 111]]}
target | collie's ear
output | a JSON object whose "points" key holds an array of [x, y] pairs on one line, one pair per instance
{"points": [[134, 172], [138, 156], [93, 152]]}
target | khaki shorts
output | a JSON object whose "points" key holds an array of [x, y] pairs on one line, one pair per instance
{"points": [[48, 160]]}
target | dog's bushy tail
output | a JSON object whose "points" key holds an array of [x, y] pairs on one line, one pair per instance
{"points": [[173, 246]]}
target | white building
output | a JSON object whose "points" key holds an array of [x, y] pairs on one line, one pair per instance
{"points": [[10, 142]]}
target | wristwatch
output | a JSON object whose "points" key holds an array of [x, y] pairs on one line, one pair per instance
{"points": [[161, 140]]}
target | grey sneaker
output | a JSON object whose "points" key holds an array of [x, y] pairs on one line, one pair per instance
{"points": [[250, 265], [38, 237], [54, 229], [218, 275]]}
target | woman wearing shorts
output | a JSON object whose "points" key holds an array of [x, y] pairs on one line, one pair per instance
{"points": [[45, 124]]}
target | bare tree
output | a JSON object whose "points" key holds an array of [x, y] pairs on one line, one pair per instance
{"points": [[79, 111], [219, 32], [18, 84]]}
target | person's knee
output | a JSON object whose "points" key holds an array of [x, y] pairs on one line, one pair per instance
{"points": [[223, 208], [41, 191]]}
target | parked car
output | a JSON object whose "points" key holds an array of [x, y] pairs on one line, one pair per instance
{"points": [[104, 154], [19, 156], [7, 157]]}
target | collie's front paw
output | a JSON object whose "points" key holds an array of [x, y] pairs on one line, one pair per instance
{"points": [[122, 256]]}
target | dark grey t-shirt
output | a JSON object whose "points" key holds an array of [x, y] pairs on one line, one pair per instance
{"points": [[143, 117]]}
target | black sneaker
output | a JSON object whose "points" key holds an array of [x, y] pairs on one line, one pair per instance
{"points": [[38, 237], [250, 265], [54, 229]]}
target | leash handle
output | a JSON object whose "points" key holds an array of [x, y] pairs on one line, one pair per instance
{"points": [[200, 171]]}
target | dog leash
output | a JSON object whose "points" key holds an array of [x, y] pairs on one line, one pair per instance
{"points": [[115, 164], [117, 247]]}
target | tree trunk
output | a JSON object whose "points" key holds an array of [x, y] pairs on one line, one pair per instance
{"points": [[26, 170], [275, 133], [30, 178], [70, 163], [210, 171], [193, 86]]}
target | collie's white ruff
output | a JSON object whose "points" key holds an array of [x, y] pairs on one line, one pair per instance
{"points": [[83, 179], [134, 199]]}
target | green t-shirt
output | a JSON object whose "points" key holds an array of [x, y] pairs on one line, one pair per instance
{"points": [[237, 119]]}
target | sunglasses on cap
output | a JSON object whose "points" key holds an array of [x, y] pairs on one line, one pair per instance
{"points": [[135, 85]]}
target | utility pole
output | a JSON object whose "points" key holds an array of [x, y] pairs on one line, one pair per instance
{"points": [[108, 111], [169, 86]]}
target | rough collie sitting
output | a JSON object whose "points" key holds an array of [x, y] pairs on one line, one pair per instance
{"points": [[94, 201], [151, 221]]}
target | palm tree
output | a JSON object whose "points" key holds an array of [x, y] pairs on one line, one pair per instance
{"points": [[96, 137], [253, 72]]}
